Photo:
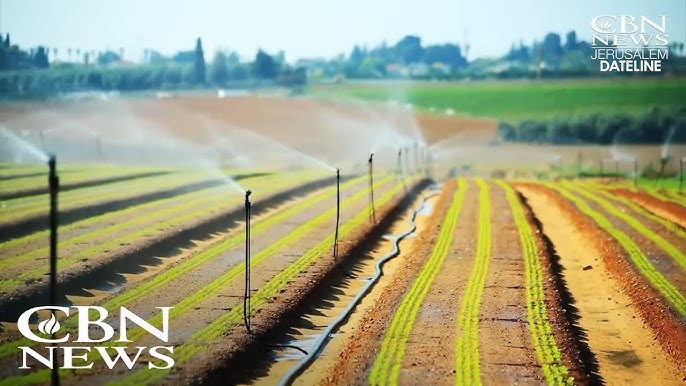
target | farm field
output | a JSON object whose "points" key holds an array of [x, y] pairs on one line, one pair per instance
{"points": [[458, 261], [517, 100]]}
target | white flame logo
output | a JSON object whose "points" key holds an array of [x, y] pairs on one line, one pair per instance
{"points": [[49, 326], [605, 26]]}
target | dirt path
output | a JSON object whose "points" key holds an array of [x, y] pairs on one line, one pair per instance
{"points": [[506, 350], [429, 352], [358, 352], [624, 345]]}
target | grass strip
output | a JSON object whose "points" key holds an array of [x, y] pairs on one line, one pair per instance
{"points": [[547, 351]]}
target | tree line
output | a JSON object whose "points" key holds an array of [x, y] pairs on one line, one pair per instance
{"points": [[658, 125], [29, 74]]}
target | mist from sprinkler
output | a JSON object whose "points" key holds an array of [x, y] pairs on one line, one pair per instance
{"points": [[21, 147]]}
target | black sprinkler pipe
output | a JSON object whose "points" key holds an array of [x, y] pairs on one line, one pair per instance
{"points": [[54, 187], [400, 168], [246, 292], [338, 212], [372, 212]]}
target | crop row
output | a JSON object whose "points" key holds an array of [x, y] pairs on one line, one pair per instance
{"points": [[610, 208], [214, 330], [547, 351], [670, 226], [212, 252], [197, 342], [640, 261], [467, 344], [387, 364], [23, 207], [74, 177], [158, 220], [181, 202]]}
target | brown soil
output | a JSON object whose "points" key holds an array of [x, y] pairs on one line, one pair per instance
{"points": [[610, 294], [668, 210], [356, 357]]}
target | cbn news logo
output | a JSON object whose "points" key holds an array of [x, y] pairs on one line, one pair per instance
{"points": [[91, 321], [626, 43]]}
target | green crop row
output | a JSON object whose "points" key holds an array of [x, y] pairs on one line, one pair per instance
{"points": [[547, 351], [24, 207], [610, 208], [169, 207], [167, 218], [195, 260], [37, 182], [467, 344], [670, 226], [203, 337], [637, 257], [388, 361]]}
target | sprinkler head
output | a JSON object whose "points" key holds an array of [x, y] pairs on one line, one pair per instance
{"points": [[338, 173], [371, 156], [53, 180]]}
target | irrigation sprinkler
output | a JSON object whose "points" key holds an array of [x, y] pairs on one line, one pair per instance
{"points": [[579, 163], [681, 174], [417, 163], [338, 212], [98, 146], [54, 187], [663, 163], [246, 292], [400, 169], [372, 211], [635, 172]]}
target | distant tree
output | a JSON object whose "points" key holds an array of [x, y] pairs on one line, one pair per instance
{"points": [[264, 66], [108, 57], [199, 63], [449, 54], [219, 72], [40, 58], [571, 43], [7, 40], [184, 57], [409, 49], [86, 58], [552, 47], [357, 55]]}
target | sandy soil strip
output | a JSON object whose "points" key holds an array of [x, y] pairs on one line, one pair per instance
{"points": [[669, 210], [624, 345]]}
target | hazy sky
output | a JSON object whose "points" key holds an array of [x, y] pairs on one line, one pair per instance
{"points": [[309, 28]]}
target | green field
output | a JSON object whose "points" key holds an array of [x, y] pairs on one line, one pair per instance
{"points": [[519, 100]]}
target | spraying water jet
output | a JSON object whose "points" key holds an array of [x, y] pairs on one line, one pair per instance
{"points": [[246, 292]]}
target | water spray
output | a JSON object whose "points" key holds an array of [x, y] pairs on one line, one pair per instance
{"points": [[98, 146], [617, 169], [54, 186], [372, 211], [417, 163], [246, 292], [338, 212]]}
